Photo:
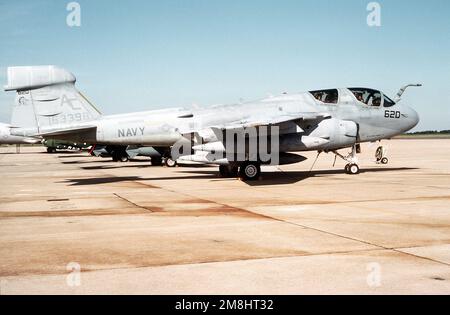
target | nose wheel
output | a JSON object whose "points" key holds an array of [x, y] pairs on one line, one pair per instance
{"points": [[380, 156]]}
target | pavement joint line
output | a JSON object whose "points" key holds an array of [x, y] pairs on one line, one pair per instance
{"points": [[210, 262], [423, 198], [369, 243], [420, 257], [380, 248], [131, 202]]}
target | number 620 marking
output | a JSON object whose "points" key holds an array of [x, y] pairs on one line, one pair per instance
{"points": [[392, 114]]}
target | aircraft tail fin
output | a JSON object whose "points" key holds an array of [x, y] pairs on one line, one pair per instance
{"points": [[47, 99]]}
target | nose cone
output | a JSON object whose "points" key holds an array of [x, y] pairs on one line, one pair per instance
{"points": [[412, 117]]}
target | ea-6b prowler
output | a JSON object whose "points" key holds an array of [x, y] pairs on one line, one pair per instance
{"points": [[48, 105]]}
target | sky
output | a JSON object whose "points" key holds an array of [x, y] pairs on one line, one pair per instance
{"points": [[142, 55]]}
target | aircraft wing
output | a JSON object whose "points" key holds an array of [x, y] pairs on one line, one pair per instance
{"points": [[242, 124], [67, 131], [275, 121]]}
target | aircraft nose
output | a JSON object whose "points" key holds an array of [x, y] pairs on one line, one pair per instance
{"points": [[413, 118]]}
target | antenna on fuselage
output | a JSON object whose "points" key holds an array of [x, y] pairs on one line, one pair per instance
{"points": [[398, 97]]}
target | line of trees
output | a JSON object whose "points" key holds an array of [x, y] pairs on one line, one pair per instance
{"points": [[430, 132]]}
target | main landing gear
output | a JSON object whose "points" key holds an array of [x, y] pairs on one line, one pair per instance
{"points": [[247, 171], [352, 167], [169, 162], [250, 171], [228, 171], [120, 158]]}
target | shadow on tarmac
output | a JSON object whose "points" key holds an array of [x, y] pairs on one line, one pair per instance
{"points": [[267, 178]]}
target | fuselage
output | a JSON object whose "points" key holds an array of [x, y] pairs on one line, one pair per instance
{"points": [[351, 120]]}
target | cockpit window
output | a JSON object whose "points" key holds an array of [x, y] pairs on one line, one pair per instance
{"points": [[367, 96], [388, 102], [326, 96]]}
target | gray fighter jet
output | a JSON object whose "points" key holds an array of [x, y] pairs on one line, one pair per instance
{"points": [[48, 105]]}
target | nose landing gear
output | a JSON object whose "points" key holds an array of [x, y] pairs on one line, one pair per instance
{"points": [[380, 156]]}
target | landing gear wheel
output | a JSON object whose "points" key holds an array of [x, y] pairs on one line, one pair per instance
{"points": [[346, 168], [119, 158], [228, 171], [170, 163], [353, 169], [224, 171], [234, 171], [250, 171], [380, 156], [156, 161]]}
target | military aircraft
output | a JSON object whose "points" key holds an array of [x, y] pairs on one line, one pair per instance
{"points": [[7, 138], [48, 105]]}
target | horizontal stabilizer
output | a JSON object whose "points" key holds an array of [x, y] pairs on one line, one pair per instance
{"points": [[67, 131], [32, 77]]}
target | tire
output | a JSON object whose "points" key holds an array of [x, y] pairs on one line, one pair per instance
{"points": [[156, 161], [353, 169], [51, 150], [228, 172], [346, 168], [170, 163], [250, 171], [379, 153], [384, 160], [234, 171], [123, 158], [224, 171]]}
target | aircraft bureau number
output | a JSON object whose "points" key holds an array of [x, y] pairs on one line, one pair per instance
{"points": [[68, 118], [392, 114]]}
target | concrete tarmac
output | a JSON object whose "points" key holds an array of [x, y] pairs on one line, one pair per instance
{"points": [[75, 224]]}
